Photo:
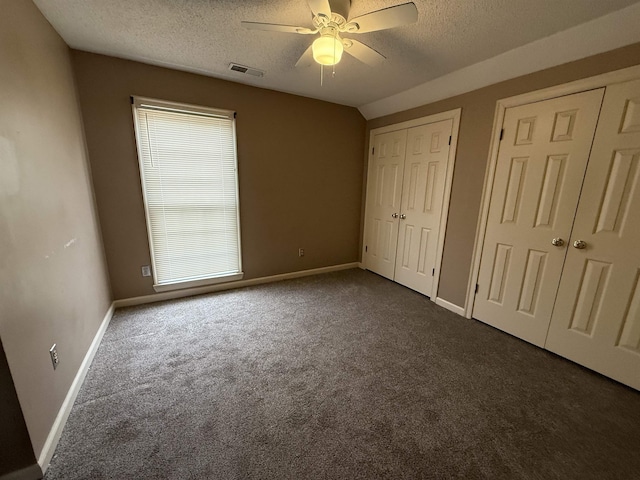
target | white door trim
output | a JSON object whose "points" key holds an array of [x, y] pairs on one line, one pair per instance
{"points": [[599, 81], [416, 122], [438, 117], [449, 306]]}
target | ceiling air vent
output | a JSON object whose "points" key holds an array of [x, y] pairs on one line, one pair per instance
{"points": [[248, 70]]}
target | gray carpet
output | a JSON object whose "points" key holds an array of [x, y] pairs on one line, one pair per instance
{"points": [[337, 376]]}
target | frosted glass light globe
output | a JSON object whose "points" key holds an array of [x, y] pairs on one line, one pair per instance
{"points": [[327, 50]]}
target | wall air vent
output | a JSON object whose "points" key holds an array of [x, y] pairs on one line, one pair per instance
{"points": [[248, 70]]}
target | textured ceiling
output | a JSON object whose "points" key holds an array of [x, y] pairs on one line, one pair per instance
{"points": [[205, 36]]}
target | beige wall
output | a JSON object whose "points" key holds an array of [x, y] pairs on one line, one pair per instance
{"points": [[476, 123], [300, 168], [53, 280]]}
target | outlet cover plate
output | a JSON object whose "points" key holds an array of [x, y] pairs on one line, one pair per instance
{"points": [[53, 352]]}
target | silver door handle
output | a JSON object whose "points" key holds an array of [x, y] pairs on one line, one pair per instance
{"points": [[557, 242], [579, 244], [394, 215], [402, 216]]}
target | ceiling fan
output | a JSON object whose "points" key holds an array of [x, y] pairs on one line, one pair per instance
{"points": [[330, 21]]}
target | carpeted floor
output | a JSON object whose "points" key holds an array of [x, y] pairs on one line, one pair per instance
{"points": [[337, 376]]}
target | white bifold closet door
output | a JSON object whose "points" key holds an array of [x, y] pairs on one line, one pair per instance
{"points": [[405, 200], [596, 319], [384, 196], [541, 163], [560, 264]]}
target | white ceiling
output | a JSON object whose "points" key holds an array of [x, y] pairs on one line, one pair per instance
{"points": [[204, 36]]}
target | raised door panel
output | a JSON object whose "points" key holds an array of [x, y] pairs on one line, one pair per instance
{"points": [[383, 202], [596, 320], [421, 207], [539, 171]]}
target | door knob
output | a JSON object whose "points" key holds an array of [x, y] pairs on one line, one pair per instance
{"points": [[557, 242], [402, 216], [394, 215], [579, 244]]}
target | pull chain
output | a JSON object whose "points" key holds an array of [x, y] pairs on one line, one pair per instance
{"points": [[335, 39]]}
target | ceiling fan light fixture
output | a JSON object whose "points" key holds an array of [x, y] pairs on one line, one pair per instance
{"points": [[327, 49], [331, 18]]}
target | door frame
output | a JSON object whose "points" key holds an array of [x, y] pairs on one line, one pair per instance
{"points": [[438, 117], [598, 81]]}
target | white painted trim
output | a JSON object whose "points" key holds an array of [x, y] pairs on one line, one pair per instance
{"points": [[599, 81], [611, 31], [169, 287], [63, 414], [32, 472], [361, 266], [481, 225], [367, 195], [416, 122], [189, 292], [589, 83], [448, 183], [446, 199], [450, 306]]}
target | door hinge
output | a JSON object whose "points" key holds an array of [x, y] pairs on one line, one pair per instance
{"points": [[366, 249], [433, 272], [449, 139], [501, 133], [477, 287], [373, 150]]}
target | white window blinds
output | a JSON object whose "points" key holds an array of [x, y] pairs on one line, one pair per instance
{"points": [[188, 169]]}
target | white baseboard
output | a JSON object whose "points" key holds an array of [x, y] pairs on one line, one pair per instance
{"points": [[361, 265], [189, 292], [450, 306], [61, 419], [32, 472]]}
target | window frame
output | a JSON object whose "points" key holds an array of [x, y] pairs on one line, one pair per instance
{"points": [[176, 107]]}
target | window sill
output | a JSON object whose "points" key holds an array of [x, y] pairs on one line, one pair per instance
{"points": [[168, 287]]}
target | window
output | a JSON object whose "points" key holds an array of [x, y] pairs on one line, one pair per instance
{"points": [[188, 169]]}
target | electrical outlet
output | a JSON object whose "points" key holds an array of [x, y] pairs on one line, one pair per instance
{"points": [[53, 352], [146, 270], [301, 252]]}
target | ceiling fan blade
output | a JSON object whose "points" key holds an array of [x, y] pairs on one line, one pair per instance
{"points": [[386, 18], [363, 52], [320, 7], [274, 27], [306, 59]]}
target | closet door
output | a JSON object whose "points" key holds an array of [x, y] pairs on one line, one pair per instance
{"points": [[540, 167], [421, 206], [596, 319], [383, 197]]}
